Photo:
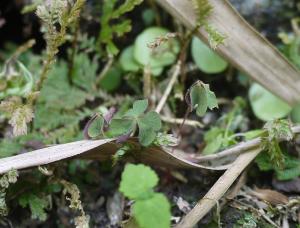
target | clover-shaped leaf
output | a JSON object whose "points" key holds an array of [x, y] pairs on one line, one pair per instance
{"points": [[94, 127], [149, 125], [139, 107], [120, 127], [202, 98]]}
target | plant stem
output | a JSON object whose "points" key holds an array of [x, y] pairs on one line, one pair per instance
{"points": [[170, 85]]}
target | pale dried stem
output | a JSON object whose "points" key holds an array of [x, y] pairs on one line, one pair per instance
{"points": [[170, 85], [179, 121]]}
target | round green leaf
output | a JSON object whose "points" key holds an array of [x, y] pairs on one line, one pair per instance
{"points": [[295, 115], [162, 56], [206, 59], [137, 181], [127, 61], [111, 80], [265, 105], [153, 212]]}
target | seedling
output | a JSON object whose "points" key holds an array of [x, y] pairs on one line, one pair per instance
{"points": [[147, 123]]}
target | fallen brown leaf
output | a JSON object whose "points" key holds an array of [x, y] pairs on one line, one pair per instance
{"points": [[270, 196]]}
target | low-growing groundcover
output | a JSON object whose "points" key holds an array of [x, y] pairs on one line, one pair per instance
{"points": [[126, 69]]}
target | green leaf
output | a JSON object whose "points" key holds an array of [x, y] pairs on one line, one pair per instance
{"points": [[291, 166], [253, 134], [53, 92], [214, 145], [152, 120], [84, 71], [153, 212], [139, 107], [166, 53], [295, 114], [211, 98], [120, 127], [127, 6], [206, 59], [265, 105], [96, 127], [111, 80], [146, 134], [36, 204], [201, 98], [149, 124], [294, 52], [137, 181], [127, 60], [9, 147]]}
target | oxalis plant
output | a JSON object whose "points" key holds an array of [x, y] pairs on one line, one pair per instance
{"points": [[147, 123]]}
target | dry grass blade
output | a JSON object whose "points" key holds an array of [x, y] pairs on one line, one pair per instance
{"points": [[97, 150], [245, 48], [218, 189]]}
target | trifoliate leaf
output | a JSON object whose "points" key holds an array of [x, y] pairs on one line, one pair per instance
{"points": [[153, 212], [137, 181], [160, 57], [265, 105], [139, 107], [120, 127], [206, 59], [127, 60]]}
